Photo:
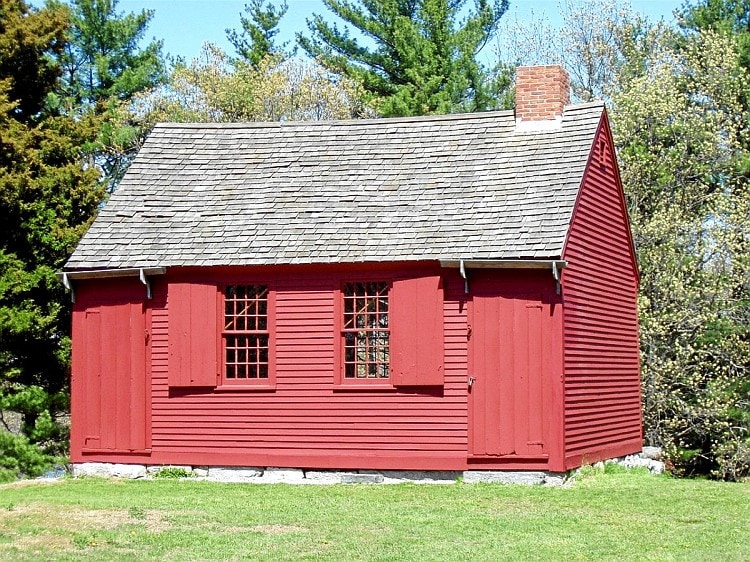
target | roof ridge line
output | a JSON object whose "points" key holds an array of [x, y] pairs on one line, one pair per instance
{"points": [[502, 113], [339, 122], [584, 105]]}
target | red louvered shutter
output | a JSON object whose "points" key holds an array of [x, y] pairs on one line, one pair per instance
{"points": [[193, 335], [416, 322]]}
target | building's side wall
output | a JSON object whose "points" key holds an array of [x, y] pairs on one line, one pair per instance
{"points": [[306, 419], [602, 376]]}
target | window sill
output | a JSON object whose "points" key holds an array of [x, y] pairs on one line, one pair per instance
{"points": [[363, 387], [246, 388]]}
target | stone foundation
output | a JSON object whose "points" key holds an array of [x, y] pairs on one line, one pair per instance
{"points": [[526, 477], [272, 475]]}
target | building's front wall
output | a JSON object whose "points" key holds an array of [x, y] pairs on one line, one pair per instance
{"points": [[308, 415]]}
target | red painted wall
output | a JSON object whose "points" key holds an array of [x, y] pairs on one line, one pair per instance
{"points": [[602, 369], [305, 419]]}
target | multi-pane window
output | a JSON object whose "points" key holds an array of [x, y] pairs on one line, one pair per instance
{"points": [[365, 331], [245, 333]]}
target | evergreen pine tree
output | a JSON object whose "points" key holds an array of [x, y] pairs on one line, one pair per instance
{"points": [[259, 28], [414, 56], [47, 198]]}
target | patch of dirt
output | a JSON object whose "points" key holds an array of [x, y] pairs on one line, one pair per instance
{"points": [[56, 526], [275, 529], [42, 542], [70, 518], [155, 522]]}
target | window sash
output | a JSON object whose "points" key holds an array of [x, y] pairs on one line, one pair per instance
{"points": [[365, 331], [246, 335]]}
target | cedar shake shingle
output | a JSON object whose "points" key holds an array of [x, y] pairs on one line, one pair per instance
{"points": [[464, 186]]}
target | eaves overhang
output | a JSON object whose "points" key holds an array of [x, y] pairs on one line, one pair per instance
{"points": [[463, 265], [142, 273]]}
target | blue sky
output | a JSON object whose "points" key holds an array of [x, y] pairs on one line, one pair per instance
{"points": [[184, 25]]}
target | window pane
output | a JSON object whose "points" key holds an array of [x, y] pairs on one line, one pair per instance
{"points": [[365, 330], [246, 332]]}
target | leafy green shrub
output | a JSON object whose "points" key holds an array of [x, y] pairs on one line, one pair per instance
{"points": [[174, 472], [42, 439]]}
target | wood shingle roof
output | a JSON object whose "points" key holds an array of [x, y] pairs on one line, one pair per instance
{"points": [[465, 186]]}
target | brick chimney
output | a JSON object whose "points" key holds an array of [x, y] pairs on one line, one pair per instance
{"points": [[541, 93]]}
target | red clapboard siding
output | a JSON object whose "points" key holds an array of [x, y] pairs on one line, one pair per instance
{"points": [[306, 421], [602, 373]]}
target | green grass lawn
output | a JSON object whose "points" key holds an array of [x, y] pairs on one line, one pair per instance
{"points": [[619, 516]]}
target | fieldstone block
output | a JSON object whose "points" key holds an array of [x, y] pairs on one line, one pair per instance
{"points": [[322, 477], [656, 467], [108, 470], [354, 478], [132, 471], [155, 469], [282, 476], [633, 461], [418, 476], [505, 477], [653, 453], [234, 474], [102, 469], [554, 479]]}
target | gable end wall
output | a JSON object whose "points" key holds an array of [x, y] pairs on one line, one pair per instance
{"points": [[602, 365]]}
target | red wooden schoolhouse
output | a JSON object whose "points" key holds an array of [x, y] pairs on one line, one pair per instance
{"points": [[434, 293]]}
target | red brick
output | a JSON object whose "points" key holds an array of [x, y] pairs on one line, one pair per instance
{"points": [[541, 92]]}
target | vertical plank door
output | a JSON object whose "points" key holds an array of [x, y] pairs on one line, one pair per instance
{"points": [[110, 373], [509, 355]]}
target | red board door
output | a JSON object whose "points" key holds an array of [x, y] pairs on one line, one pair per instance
{"points": [[509, 354], [111, 375]]}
